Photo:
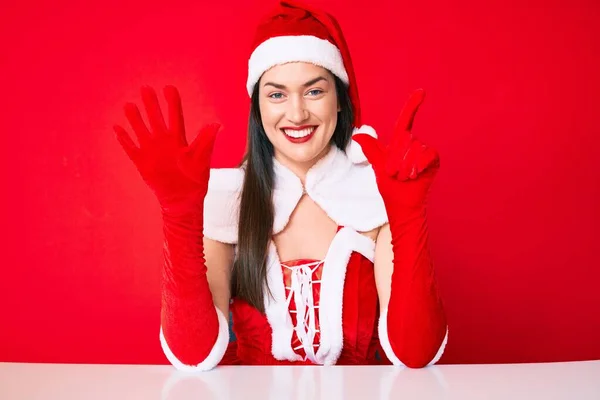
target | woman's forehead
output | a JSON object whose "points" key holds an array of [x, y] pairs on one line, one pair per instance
{"points": [[294, 74]]}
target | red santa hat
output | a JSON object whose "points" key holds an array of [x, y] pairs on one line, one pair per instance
{"points": [[294, 33]]}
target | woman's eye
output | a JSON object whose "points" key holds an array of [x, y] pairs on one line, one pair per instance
{"points": [[315, 92], [276, 96]]}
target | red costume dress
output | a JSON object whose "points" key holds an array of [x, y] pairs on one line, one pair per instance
{"points": [[322, 311]]}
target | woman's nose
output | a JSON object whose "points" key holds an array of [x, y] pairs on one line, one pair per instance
{"points": [[297, 112]]}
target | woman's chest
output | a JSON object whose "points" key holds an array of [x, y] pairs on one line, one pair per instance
{"points": [[308, 233]]}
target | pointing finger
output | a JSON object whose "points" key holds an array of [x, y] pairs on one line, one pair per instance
{"points": [[407, 115], [401, 135]]}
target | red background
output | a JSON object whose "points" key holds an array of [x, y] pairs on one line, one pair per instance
{"points": [[511, 106]]}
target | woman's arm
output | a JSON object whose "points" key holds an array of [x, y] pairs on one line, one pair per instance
{"points": [[195, 294], [384, 265], [412, 326], [219, 262], [194, 333]]}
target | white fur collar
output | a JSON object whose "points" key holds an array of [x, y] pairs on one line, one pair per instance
{"points": [[341, 183]]}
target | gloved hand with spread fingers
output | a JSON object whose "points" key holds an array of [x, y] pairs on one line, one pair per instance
{"points": [[194, 333], [413, 328]]}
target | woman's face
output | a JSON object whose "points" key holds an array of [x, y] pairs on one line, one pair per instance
{"points": [[299, 109]]}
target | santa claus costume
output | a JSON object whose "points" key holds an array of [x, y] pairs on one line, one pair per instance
{"points": [[321, 312]]}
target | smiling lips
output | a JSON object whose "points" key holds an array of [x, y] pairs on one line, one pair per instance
{"points": [[299, 134]]}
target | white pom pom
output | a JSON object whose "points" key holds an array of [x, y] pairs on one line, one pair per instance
{"points": [[354, 151]]}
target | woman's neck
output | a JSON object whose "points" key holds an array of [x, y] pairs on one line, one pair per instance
{"points": [[300, 169]]}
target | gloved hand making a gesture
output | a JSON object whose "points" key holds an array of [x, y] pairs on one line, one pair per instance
{"points": [[413, 329], [194, 333]]}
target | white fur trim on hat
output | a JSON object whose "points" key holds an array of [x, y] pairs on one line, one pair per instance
{"points": [[354, 151], [284, 49]]}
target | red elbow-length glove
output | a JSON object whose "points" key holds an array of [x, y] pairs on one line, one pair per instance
{"points": [[413, 331], [194, 333]]}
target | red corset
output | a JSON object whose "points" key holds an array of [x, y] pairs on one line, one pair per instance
{"points": [[360, 314]]}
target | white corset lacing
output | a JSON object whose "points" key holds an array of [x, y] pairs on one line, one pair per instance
{"points": [[302, 290]]}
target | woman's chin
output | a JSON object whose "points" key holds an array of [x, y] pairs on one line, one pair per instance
{"points": [[303, 154]]}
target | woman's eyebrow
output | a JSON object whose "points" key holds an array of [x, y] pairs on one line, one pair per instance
{"points": [[309, 83]]}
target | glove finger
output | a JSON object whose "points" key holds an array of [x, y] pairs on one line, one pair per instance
{"points": [[407, 168], [132, 112], [371, 148], [155, 116], [202, 147], [429, 159], [175, 111], [407, 115], [399, 143], [125, 140], [397, 155], [402, 136], [416, 156]]}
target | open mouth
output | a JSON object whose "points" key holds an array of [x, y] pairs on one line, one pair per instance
{"points": [[299, 135]]}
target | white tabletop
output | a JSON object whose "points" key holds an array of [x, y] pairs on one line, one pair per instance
{"points": [[571, 380]]}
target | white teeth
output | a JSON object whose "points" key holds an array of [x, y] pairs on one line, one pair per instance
{"points": [[299, 134]]}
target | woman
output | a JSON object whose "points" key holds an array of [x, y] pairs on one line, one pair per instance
{"points": [[317, 244]]}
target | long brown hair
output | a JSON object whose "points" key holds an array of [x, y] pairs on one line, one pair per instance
{"points": [[257, 214]]}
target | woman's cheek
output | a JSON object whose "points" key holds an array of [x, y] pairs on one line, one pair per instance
{"points": [[269, 122]]}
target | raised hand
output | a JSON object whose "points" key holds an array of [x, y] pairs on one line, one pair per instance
{"points": [[194, 333], [406, 167], [176, 172]]}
